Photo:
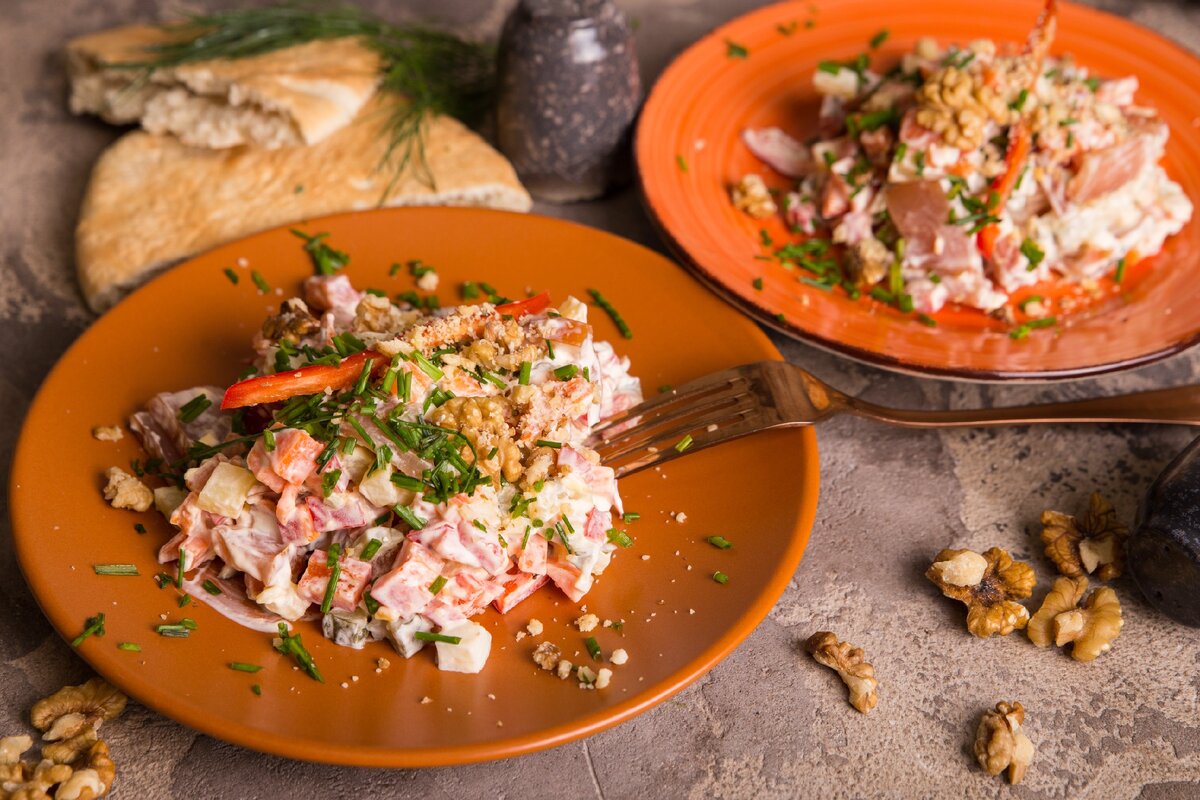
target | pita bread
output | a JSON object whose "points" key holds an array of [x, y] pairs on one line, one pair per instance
{"points": [[152, 200], [297, 95]]}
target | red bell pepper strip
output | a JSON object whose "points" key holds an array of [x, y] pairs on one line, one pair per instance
{"points": [[293, 382], [1020, 140], [530, 305]]}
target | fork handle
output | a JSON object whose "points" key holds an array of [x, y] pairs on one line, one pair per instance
{"points": [[1178, 405]]}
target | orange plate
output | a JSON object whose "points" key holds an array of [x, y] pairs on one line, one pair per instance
{"points": [[703, 101], [191, 326]]}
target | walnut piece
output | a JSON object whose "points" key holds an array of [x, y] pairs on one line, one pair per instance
{"points": [[546, 655], [751, 195], [293, 322], [108, 433], [1091, 543], [1093, 627], [1063, 597], [848, 661], [1001, 744], [989, 585], [125, 491], [72, 709]]}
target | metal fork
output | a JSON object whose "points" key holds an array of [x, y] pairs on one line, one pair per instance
{"points": [[774, 394]]}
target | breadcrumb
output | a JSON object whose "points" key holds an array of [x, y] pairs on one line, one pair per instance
{"points": [[535, 627], [603, 677], [619, 656], [564, 669], [426, 700], [428, 282], [587, 622]]}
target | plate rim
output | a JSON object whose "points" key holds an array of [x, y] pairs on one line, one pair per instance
{"points": [[147, 692], [872, 358]]}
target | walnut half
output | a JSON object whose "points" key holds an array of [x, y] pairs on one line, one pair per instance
{"points": [[1063, 597], [988, 584], [848, 661], [1091, 543], [73, 709], [1001, 744]]}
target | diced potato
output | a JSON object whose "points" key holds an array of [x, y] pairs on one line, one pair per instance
{"points": [[470, 654], [379, 490], [571, 308], [226, 490], [168, 498], [402, 634], [357, 463]]}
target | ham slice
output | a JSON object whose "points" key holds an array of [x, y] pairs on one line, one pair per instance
{"points": [[232, 602], [919, 209], [781, 152], [1107, 170]]}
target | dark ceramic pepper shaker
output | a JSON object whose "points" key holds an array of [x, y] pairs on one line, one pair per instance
{"points": [[569, 91]]}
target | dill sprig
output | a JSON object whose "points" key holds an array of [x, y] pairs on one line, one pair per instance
{"points": [[435, 71]]}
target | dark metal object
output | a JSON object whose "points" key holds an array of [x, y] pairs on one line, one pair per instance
{"points": [[1164, 551]]}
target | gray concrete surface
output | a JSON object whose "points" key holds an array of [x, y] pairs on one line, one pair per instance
{"points": [[767, 722]]}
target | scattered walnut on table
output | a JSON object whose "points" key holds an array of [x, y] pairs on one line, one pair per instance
{"points": [[1063, 597], [989, 585], [125, 491], [108, 433], [848, 661], [1092, 628], [1091, 543], [72, 709], [1000, 743]]}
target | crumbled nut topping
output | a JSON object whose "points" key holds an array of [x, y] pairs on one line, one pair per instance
{"points": [[989, 588], [848, 661], [293, 322], [485, 422], [958, 103], [1000, 743], [751, 195], [868, 260], [535, 627], [546, 655], [108, 433], [587, 676], [619, 656], [603, 678], [587, 622], [1064, 596], [125, 491], [380, 315], [1091, 543], [564, 669]]}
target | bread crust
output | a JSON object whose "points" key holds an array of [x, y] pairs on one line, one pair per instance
{"points": [[152, 201]]}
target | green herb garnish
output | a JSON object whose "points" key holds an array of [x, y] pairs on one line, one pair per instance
{"points": [[593, 647], [619, 538], [239, 666], [115, 569], [290, 644], [260, 281], [229, 273], [437, 584], [426, 636], [92, 626], [720, 577], [129, 647], [719, 542], [612, 312], [193, 408], [735, 50]]}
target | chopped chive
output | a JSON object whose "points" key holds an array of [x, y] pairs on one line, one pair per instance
{"points": [[684, 443], [427, 366], [720, 577], [329, 480], [617, 319], [1033, 253], [757, 283], [290, 644], [229, 273], [631, 516], [788, 29], [1023, 330], [173, 631], [260, 281], [194, 408], [879, 38], [1119, 275], [735, 50], [666, 387], [407, 482], [593, 647], [523, 375], [335, 575], [619, 538], [425, 636], [409, 516], [681, 162], [370, 602], [719, 541], [240, 666], [130, 647], [394, 269], [470, 291], [548, 443], [437, 584], [780, 317], [115, 569], [927, 320], [139, 527], [550, 349], [268, 440], [211, 587], [1019, 103], [92, 626], [184, 599], [189, 623], [1033, 298], [370, 550], [256, 689], [180, 568], [566, 372]]}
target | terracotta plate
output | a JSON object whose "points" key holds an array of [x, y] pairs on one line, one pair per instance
{"points": [[192, 326], [689, 152]]}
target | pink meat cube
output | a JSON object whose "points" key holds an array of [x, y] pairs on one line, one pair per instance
{"points": [[351, 582]]}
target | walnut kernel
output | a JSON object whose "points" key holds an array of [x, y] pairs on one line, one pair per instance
{"points": [[1093, 627], [1092, 543], [86, 706], [546, 655], [125, 491], [1063, 597], [751, 195], [990, 593], [1001, 744], [848, 661]]}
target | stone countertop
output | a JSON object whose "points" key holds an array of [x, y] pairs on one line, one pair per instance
{"points": [[766, 722]]}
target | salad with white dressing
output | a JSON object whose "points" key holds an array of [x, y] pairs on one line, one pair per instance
{"points": [[968, 174], [392, 469]]}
